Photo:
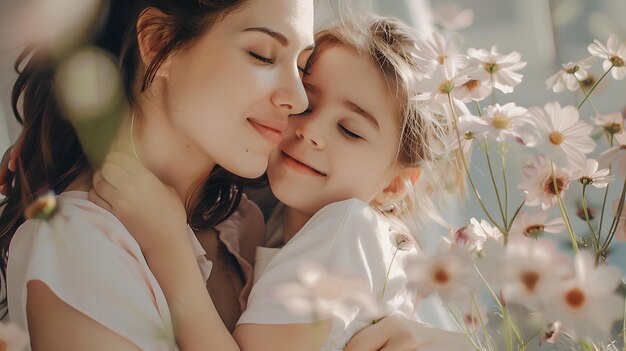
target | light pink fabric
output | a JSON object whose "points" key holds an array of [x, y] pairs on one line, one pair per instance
{"points": [[241, 233], [91, 262]]}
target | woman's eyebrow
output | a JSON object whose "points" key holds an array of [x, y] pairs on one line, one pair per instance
{"points": [[280, 37]]}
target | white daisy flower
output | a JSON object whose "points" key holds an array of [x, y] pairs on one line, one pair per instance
{"points": [[614, 55], [538, 185], [441, 83], [450, 16], [507, 121], [587, 304], [524, 268], [570, 76], [323, 294], [437, 51], [500, 70], [474, 235], [615, 155], [588, 174], [449, 272], [472, 90], [613, 123], [560, 133], [470, 128], [535, 225]]}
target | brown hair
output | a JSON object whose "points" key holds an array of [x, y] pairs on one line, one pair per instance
{"points": [[423, 134], [51, 156]]}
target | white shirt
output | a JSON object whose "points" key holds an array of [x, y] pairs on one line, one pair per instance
{"points": [[91, 262], [347, 236]]}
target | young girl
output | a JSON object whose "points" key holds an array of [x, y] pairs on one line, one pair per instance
{"points": [[345, 171]]}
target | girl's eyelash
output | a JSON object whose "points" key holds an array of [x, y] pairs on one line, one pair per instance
{"points": [[261, 58], [348, 133]]}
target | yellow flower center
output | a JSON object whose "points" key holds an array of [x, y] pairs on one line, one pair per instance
{"points": [[500, 121], [575, 298], [616, 61], [491, 67], [613, 128], [530, 279], [441, 59], [446, 87], [557, 138]]}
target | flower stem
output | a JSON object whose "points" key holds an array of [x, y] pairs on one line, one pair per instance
{"points": [[606, 193], [506, 184], [493, 181], [382, 295], [594, 86], [508, 336], [510, 224], [616, 218], [469, 177], [563, 209], [596, 240]]}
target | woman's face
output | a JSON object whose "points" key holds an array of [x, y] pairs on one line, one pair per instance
{"points": [[345, 145], [231, 93]]}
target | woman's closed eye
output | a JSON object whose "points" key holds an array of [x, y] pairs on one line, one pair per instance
{"points": [[260, 58]]}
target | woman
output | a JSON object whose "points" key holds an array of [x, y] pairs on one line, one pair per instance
{"points": [[211, 82]]}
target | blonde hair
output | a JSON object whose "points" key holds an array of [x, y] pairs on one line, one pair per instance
{"points": [[423, 132]]}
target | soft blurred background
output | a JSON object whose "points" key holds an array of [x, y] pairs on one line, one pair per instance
{"points": [[547, 33]]}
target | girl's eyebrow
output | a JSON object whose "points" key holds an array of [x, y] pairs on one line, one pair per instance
{"points": [[280, 37], [361, 112]]}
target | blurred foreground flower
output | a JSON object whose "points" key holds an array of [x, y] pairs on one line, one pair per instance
{"points": [[323, 294], [539, 186], [12, 337], [44, 207]]}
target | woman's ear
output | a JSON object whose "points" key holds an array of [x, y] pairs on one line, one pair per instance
{"points": [[153, 33], [396, 188]]}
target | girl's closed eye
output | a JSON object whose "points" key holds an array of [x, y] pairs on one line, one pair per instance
{"points": [[348, 133]]}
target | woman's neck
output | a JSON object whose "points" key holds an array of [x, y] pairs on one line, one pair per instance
{"points": [[293, 221], [162, 149]]}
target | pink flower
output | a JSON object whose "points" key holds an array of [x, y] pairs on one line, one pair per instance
{"points": [[587, 304], [561, 135], [538, 185], [500, 70], [472, 90], [323, 294], [588, 174], [614, 55], [569, 76], [507, 122], [534, 226], [449, 272], [616, 155]]}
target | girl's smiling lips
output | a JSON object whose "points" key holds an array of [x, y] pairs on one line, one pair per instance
{"points": [[299, 166], [270, 129]]}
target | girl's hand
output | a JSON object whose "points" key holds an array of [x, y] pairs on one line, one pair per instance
{"points": [[150, 210], [394, 333]]}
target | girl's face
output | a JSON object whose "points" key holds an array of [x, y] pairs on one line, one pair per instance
{"points": [[230, 94], [344, 146]]}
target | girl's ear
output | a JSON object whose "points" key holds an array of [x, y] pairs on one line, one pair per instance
{"points": [[153, 32], [396, 188]]}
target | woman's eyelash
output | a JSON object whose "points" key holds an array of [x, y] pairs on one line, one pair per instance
{"points": [[349, 133], [261, 58]]}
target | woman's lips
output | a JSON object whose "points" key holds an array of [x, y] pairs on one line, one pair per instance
{"points": [[272, 131], [299, 166]]}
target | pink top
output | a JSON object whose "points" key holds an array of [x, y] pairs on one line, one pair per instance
{"points": [[90, 261]]}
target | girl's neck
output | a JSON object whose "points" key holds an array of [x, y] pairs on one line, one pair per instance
{"points": [[293, 221]]}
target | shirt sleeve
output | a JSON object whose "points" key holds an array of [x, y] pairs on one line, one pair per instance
{"points": [[89, 265]]}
